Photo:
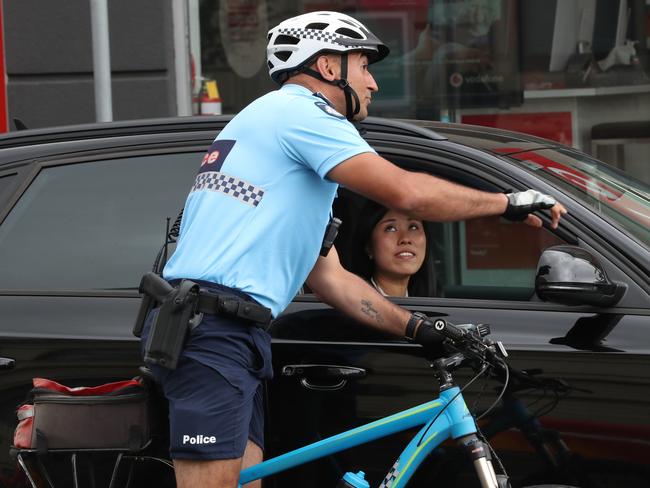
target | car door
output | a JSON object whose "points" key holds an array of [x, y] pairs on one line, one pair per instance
{"points": [[482, 272], [77, 232]]}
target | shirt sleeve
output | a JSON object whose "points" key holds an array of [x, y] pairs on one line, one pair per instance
{"points": [[317, 136]]}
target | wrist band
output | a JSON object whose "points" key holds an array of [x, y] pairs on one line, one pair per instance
{"points": [[411, 325]]}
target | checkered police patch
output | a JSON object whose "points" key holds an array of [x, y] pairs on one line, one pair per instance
{"points": [[315, 34], [229, 185]]}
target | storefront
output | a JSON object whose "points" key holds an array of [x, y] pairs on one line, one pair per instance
{"points": [[559, 69]]}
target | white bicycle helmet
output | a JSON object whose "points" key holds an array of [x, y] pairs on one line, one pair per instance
{"points": [[296, 42], [299, 39]]}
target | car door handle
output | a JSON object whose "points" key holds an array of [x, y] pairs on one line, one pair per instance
{"points": [[310, 372], [7, 363]]}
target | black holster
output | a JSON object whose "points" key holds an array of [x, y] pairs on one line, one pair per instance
{"points": [[154, 289], [170, 325]]}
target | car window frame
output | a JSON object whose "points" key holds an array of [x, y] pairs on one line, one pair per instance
{"points": [[12, 182], [454, 159], [606, 240]]}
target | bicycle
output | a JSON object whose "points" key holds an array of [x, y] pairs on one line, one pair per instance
{"points": [[443, 418]]}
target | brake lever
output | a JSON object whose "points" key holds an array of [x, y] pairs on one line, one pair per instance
{"points": [[471, 341], [502, 349]]}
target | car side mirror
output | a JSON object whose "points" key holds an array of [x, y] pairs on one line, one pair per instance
{"points": [[572, 276]]}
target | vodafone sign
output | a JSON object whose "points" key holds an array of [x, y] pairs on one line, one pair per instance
{"points": [[3, 77]]}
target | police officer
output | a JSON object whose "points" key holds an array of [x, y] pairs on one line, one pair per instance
{"points": [[254, 223]]}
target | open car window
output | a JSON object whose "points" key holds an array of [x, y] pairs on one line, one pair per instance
{"points": [[487, 258]]}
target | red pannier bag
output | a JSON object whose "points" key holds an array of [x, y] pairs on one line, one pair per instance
{"points": [[113, 416]]}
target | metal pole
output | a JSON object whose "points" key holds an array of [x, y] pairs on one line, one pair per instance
{"points": [[101, 60], [181, 57]]}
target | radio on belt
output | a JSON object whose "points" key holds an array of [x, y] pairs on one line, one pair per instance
{"points": [[330, 235]]}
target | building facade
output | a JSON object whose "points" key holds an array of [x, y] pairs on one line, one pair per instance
{"points": [[576, 71]]}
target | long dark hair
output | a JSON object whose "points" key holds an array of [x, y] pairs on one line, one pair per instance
{"points": [[421, 282]]}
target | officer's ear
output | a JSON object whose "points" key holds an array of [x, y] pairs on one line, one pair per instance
{"points": [[328, 65]]}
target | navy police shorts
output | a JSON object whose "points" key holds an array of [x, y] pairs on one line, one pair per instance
{"points": [[216, 392]]}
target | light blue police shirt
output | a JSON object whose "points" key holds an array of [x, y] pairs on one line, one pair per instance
{"points": [[256, 216]]}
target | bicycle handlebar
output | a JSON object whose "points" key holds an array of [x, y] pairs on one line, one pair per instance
{"points": [[467, 336], [471, 341]]}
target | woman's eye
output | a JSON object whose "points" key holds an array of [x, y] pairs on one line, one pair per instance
{"points": [[390, 228], [414, 227]]}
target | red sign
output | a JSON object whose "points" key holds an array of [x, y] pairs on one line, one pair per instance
{"points": [[555, 126], [619, 201], [495, 244], [3, 79]]}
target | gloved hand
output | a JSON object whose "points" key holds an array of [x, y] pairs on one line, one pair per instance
{"points": [[431, 340], [427, 335], [522, 203]]}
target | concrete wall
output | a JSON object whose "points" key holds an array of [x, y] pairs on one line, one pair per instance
{"points": [[48, 47]]}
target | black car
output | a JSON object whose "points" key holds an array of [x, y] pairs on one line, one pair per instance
{"points": [[84, 210]]}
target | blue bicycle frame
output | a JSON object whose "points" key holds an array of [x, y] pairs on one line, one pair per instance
{"points": [[445, 417]]}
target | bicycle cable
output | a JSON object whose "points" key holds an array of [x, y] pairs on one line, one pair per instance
{"points": [[550, 405], [494, 453], [478, 429], [480, 394], [480, 373], [503, 391]]}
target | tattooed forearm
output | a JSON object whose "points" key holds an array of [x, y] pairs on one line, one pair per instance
{"points": [[367, 308]]}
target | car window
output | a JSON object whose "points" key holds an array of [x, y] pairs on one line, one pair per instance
{"points": [[93, 225], [487, 258], [612, 193]]}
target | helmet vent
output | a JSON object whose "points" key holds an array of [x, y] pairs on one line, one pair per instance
{"points": [[317, 25], [282, 39], [349, 33], [349, 22], [283, 55]]}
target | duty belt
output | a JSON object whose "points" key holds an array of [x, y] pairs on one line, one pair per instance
{"points": [[208, 301], [224, 304]]}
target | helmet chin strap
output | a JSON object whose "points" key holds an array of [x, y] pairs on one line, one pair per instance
{"points": [[351, 108]]}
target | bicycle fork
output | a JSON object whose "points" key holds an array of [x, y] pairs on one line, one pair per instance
{"points": [[478, 452]]}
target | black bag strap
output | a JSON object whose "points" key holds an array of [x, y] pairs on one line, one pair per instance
{"points": [[41, 443]]}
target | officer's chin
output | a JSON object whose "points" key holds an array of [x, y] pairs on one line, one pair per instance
{"points": [[360, 116]]}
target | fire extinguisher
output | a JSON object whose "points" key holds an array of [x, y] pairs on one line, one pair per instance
{"points": [[209, 98]]}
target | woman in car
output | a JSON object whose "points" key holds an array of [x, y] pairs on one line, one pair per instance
{"points": [[393, 251]]}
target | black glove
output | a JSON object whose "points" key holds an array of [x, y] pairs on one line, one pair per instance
{"points": [[522, 203], [427, 335], [431, 340]]}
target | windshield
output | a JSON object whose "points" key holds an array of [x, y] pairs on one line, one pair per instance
{"points": [[612, 193]]}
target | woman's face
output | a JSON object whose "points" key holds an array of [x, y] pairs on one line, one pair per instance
{"points": [[397, 245]]}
